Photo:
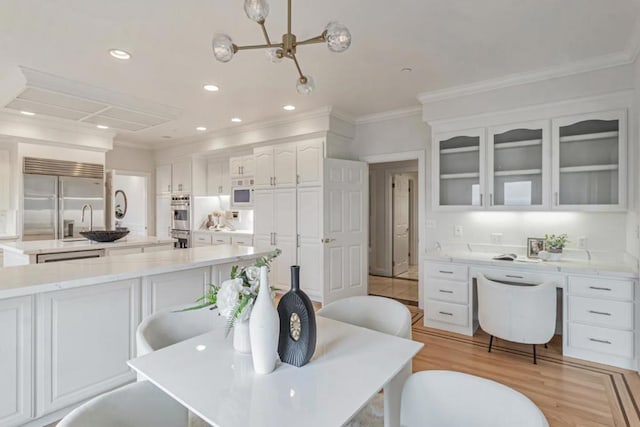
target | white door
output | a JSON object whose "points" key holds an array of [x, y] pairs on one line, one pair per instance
{"points": [[284, 165], [285, 237], [263, 158], [400, 209], [345, 229]]}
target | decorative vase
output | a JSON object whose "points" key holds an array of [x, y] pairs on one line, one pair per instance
{"points": [[241, 340], [297, 324], [210, 222], [555, 254], [264, 328]]}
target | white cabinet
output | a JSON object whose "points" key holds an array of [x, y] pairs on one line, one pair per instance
{"points": [[218, 181], [200, 239], [275, 166], [242, 240], [220, 239], [309, 160], [459, 169], [5, 181], [518, 166], [241, 166], [181, 176], [275, 213], [310, 235], [171, 289], [16, 352], [122, 251], [163, 179], [589, 161], [86, 335], [448, 302], [163, 216]]}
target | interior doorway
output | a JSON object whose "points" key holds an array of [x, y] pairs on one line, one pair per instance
{"points": [[127, 199]]}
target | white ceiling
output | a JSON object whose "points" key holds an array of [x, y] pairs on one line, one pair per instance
{"points": [[446, 42]]}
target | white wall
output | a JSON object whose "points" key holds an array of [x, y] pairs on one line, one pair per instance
{"points": [[135, 218]]}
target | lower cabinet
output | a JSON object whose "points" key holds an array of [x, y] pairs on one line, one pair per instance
{"points": [[449, 298], [16, 355], [85, 337], [170, 289]]}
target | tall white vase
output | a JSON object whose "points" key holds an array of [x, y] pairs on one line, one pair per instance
{"points": [[264, 328], [241, 339]]}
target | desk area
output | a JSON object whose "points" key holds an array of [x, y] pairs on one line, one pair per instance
{"points": [[599, 300]]}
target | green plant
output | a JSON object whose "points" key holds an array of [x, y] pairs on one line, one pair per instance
{"points": [[555, 243], [235, 297]]}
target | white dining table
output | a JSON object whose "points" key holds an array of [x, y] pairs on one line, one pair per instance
{"points": [[350, 365]]}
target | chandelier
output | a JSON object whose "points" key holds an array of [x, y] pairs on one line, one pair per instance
{"points": [[336, 35]]}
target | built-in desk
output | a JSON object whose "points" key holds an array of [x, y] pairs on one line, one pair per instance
{"points": [[599, 301]]}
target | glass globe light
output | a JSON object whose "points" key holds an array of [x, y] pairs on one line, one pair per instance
{"points": [[256, 10], [305, 85], [222, 48], [273, 55], [338, 37]]}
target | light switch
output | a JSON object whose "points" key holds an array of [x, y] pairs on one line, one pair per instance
{"points": [[496, 238], [458, 231]]}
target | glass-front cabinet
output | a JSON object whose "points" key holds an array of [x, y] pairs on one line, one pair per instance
{"points": [[518, 166], [459, 169], [589, 161]]}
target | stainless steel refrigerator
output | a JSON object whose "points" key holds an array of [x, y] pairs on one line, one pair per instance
{"points": [[53, 204]]}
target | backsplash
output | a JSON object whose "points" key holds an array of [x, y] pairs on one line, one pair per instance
{"points": [[203, 206]]}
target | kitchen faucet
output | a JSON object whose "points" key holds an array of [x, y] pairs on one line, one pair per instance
{"points": [[91, 217]]}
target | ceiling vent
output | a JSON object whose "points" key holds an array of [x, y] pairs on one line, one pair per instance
{"points": [[53, 96]]}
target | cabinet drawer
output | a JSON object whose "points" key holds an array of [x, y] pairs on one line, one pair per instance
{"points": [[449, 313], [221, 240], [603, 340], [447, 271], [520, 276], [242, 240], [610, 314], [446, 290], [598, 287], [201, 239]]}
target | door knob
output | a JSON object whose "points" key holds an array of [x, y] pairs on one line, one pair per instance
{"points": [[327, 240]]}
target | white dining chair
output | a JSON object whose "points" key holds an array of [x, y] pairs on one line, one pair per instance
{"points": [[383, 315], [139, 404], [454, 399], [518, 313]]}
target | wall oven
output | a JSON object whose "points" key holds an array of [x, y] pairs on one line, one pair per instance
{"points": [[242, 193], [181, 220]]}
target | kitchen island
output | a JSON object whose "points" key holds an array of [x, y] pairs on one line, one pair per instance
{"points": [[39, 251], [68, 328]]}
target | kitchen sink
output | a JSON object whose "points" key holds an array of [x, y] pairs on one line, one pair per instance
{"points": [[105, 235]]}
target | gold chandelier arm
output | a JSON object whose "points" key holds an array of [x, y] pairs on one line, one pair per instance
{"points": [[264, 31], [295, 61], [255, 46], [319, 39]]}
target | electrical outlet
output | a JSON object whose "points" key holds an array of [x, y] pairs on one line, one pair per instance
{"points": [[431, 223], [582, 242], [458, 231], [496, 238]]}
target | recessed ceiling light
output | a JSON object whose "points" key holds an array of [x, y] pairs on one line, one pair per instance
{"points": [[27, 113], [211, 88], [201, 128], [406, 70], [236, 120], [120, 54], [289, 107], [102, 127], [166, 137]]}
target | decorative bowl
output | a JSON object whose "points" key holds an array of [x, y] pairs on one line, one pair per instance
{"points": [[105, 235]]}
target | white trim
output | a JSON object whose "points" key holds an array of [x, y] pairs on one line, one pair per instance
{"points": [[134, 145], [516, 79], [388, 115], [633, 46]]}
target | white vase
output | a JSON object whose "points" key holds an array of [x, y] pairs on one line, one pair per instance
{"points": [[264, 328], [241, 338]]}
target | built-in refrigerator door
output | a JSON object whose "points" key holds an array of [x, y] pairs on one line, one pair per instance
{"points": [[40, 207], [74, 194]]}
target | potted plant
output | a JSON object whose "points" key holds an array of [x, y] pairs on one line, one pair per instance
{"points": [[554, 244]]}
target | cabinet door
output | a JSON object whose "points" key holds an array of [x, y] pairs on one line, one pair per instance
{"points": [[263, 207], [309, 162], [225, 180], [163, 179], [589, 161], [285, 236], [5, 181], [163, 216], [284, 165], [199, 177], [86, 336], [263, 177], [214, 176], [122, 251], [518, 166], [15, 360], [235, 165], [171, 289], [248, 165], [310, 250], [181, 176], [458, 167]]}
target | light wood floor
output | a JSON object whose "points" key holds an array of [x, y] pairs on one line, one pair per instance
{"points": [[403, 290], [570, 392], [411, 273]]}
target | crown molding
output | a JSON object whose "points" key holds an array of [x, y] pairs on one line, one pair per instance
{"points": [[388, 115], [592, 64], [633, 46], [131, 144]]}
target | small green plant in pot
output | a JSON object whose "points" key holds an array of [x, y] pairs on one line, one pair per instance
{"points": [[554, 244]]}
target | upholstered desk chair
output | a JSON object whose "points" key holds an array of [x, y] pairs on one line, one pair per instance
{"points": [[519, 313]]}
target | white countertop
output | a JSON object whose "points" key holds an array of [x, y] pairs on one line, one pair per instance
{"points": [[35, 247], [563, 266], [36, 278], [226, 232]]}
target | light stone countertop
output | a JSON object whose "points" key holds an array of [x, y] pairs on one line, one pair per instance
{"points": [[37, 278], [567, 266], [226, 232], [35, 247]]}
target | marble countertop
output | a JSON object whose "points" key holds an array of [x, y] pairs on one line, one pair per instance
{"points": [[564, 266], [35, 247], [37, 278], [226, 232]]}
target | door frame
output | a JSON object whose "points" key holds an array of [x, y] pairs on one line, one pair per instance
{"points": [[151, 197], [419, 155]]}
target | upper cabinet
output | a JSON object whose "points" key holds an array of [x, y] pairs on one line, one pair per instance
{"points": [[163, 179], [174, 178], [241, 166], [518, 166], [218, 181], [309, 162], [275, 166], [459, 169], [589, 161]]}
